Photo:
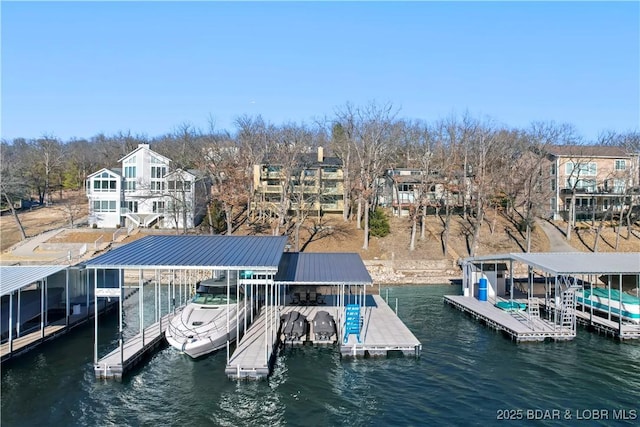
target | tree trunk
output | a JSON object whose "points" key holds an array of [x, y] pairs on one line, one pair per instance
{"points": [[423, 223], [228, 213], [359, 214], [571, 215], [628, 218], [618, 231], [602, 221], [15, 216], [297, 235], [210, 219], [414, 226], [445, 233], [478, 226], [365, 246]]}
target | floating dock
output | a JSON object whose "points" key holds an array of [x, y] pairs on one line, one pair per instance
{"points": [[552, 283], [624, 331], [26, 342], [115, 364], [519, 326], [381, 332]]}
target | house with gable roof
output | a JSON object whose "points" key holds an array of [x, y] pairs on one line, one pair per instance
{"points": [[595, 177], [147, 192]]}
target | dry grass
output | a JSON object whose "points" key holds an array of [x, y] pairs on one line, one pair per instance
{"points": [[338, 236], [42, 219]]}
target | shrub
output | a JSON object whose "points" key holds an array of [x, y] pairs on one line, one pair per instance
{"points": [[378, 223]]}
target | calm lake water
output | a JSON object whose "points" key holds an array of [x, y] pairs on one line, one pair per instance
{"points": [[467, 375]]}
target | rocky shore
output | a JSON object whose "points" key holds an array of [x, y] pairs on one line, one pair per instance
{"points": [[413, 272]]}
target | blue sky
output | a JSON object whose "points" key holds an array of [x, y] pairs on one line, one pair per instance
{"points": [[77, 69]]}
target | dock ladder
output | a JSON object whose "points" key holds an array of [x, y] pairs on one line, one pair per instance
{"points": [[352, 321], [567, 314], [534, 308]]}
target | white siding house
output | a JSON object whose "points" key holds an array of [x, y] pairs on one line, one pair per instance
{"points": [[105, 193], [184, 189], [146, 193]]}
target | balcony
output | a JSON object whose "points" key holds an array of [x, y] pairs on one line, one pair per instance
{"points": [[593, 191], [271, 175], [332, 175], [272, 189]]}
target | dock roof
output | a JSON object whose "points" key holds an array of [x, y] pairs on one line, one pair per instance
{"points": [[322, 269], [566, 263], [13, 278], [238, 252]]}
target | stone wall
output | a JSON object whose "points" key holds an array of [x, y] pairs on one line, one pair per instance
{"points": [[413, 271]]}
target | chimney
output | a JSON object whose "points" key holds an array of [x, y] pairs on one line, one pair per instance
{"points": [[320, 155], [143, 145]]}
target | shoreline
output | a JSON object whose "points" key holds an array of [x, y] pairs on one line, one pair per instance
{"points": [[413, 272]]}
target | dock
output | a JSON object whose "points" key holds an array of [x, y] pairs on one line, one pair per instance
{"points": [[517, 325], [613, 328], [115, 364], [382, 332], [26, 342], [252, 357]]}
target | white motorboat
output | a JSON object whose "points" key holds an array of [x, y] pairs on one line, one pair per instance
{"points": [[208, 319], [611, 301]]}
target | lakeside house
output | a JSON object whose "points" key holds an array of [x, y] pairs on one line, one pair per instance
{"points": [[404, 188], [314, 182], [595, 177], [147, 192]]}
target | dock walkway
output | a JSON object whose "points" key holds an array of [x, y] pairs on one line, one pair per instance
{"points": [[119, 361], [248, 360], [30, 340], [382, 331], [626, 331], [516, 325], [609, 327]]}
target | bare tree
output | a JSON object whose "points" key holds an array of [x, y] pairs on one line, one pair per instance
{"points": [[229, 176], [373, 144], [11, 182], [51, 154], [341, 143], [252, 137]]}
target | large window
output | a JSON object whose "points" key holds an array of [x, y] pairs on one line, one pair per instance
{"points": [[588, 185], [180, 185], [130, 186], [131, 206], [129, 171], [619, 186], [157, 186], [104, 182], [620, 165], [158, 207], [158, 171], [104, 206], [104, 185], [581, 169]]}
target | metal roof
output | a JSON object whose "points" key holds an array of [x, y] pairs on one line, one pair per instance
{"points": [[241, 252], [322, 268], [13, 278], [573, 262]]}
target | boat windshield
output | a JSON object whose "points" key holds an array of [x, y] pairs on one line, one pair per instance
{"points": [[215, 296]]}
